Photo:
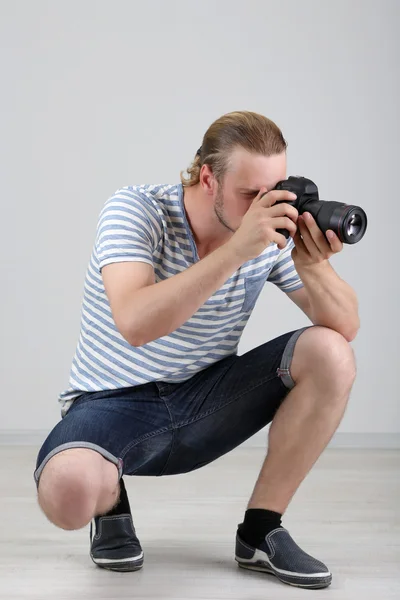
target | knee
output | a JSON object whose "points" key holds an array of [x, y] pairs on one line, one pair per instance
{"points": [[325, 355], [69, 489]]}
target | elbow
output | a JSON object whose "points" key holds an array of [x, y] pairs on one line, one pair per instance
{"points": [[130, 333], [138, 342], [134, 339], [350, 333], [354, 324], [348, 330]]}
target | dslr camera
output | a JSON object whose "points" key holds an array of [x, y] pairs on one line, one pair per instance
{"points": [[349, 222]]}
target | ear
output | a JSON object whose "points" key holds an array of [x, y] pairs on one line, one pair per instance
{"points": [[207, 180]]}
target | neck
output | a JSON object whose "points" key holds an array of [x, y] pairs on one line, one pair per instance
{"points": [[208, 232]]}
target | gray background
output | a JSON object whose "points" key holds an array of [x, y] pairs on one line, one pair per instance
{"points": [[97, 95]]}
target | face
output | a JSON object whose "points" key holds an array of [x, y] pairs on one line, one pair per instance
{"points": [[246, 174]]}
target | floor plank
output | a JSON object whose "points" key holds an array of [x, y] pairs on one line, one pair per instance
{"points": [[346, 513]]}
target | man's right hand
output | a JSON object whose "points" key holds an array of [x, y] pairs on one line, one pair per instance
{"points": [[258, 229]]}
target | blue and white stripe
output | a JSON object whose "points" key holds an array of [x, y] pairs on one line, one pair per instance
{"points": [[148, 224]]}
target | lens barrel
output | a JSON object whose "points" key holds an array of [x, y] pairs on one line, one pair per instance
{"points": [[349, 222]]}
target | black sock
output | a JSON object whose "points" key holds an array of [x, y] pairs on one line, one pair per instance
{"points": [[122, 508], [257, 524]]}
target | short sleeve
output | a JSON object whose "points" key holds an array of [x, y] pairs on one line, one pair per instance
{"points": [[283, 274], [128, 229]]}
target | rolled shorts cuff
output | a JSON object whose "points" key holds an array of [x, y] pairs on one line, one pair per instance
{"points": [[283, 370], [118, 462]]}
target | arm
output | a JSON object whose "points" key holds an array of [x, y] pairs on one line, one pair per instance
{"points": [[327, 300], [129, 230], [144, 311]]}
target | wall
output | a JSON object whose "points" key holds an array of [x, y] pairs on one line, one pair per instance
{"points": [[97, 95]]}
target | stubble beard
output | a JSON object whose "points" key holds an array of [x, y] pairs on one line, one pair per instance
{"points": [[219, 210]]}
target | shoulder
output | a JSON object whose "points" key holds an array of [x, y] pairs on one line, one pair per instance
{"points": [[134, 201], [149, 198], [134, 208], [130, 196]]}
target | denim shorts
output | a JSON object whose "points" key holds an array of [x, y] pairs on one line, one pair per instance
{"points": [[161, 428]]}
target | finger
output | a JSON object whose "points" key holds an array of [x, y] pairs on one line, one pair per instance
{"points": [[308, 241], [263, 192], [280, 240], [299, 243], [267, 199], [334, 241], [284, 223], [283, 209], [317, 235]]}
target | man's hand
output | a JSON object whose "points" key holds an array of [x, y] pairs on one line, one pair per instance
{"points": [[311, 245], [267, 213]]}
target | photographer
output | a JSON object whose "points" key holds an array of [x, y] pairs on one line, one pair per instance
{"points": [[157, 386]]}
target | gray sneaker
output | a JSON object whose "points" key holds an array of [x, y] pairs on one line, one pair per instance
{"points": [[279, 555], [114, 544]]}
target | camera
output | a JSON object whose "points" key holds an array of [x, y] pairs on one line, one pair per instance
{"points": [[349, 222]]}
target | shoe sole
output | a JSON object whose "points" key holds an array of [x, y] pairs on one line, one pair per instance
{"points": [[294, 581], [122, 566]]}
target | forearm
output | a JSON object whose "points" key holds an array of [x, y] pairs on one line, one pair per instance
{"points": [[163, 307], [333, 302]]}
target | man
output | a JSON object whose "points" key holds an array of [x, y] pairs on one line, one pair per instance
{"points": [[156, 384]]}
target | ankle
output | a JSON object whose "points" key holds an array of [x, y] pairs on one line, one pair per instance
{"points": [[257, 524], [120, 505]]}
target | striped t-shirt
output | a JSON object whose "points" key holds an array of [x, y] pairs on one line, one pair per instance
{"points": [[148, 223]]}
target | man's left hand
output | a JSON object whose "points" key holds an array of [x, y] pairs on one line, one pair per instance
{"points": [[311, 245]]}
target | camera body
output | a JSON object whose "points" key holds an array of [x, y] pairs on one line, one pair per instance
{"points": [[349, 222]]}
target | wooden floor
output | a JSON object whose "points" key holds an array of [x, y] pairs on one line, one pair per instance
{"points": [[347, 513]]}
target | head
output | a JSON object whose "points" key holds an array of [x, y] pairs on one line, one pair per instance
{"points": [[241, 152]]}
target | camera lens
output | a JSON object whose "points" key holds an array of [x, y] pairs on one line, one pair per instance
{"points": [[349, 222], [352, 225]]}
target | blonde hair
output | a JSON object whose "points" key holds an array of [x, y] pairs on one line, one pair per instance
{"points": [[250, 130]]}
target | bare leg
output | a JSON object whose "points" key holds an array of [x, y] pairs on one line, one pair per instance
{"points": [[323, 369], [75, 486]]}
